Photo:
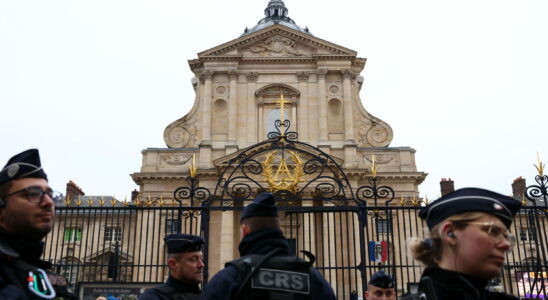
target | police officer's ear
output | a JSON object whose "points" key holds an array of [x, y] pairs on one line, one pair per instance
{"points": [[244, 230], [172, 262], [448, 234]]}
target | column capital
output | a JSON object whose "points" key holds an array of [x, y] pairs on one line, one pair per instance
{"points": [[321, 73], [206, 75], [303, 76], [233, 75], [348, 74], [252, 76]]}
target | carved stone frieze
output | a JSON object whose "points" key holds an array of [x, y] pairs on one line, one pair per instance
{"points": [[380, 158], [174, 159], [276, 46]]}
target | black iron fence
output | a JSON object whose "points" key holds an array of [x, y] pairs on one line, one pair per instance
{"points": [[124, 244], [352, 232]]}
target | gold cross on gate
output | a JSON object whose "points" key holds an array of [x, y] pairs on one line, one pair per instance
{"points": [[282, 102]]}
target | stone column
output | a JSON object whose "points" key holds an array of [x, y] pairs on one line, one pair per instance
{"points": [[303, 107], [251, 117], [205, 145], [348, 123], [206, 78], [233, 108], [323, 105]]}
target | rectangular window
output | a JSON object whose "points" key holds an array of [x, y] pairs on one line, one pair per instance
{"points": [[73, 234], [113, 234], [527, 234], [532, 233], [523, 234], [384, 226], [172, 226]]}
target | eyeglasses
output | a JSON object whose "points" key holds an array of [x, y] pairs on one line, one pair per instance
{"points": [[35, 194], [497, 233]]}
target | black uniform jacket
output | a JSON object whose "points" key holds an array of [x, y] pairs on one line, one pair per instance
{"points": [[172, 289], [450, 285], [18, 257], [226, 283]]}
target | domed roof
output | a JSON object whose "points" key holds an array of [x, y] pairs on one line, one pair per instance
{"points": [[276, 13]]}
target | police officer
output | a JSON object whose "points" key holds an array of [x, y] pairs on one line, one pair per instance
{"points": [[469, 236], [266, 269], [186, 267], [27, 214], [380, 287]]}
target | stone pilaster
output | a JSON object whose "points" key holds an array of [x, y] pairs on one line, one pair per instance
{"points": [[322, 104], [205, 145], [206, 78], [348, 122], [251, 109], [303, 126], [233, 108]]}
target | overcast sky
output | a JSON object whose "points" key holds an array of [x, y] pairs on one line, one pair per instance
{"points": [[92, 83]]}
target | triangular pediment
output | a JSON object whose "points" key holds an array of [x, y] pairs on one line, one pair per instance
{"points": [[277, 41]]}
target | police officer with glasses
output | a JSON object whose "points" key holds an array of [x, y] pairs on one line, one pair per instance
{"points": [[27, 212], [469, 237], [266, 269]]}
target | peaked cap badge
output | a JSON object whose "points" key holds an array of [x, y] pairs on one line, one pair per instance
{"points": [[13, 170]]}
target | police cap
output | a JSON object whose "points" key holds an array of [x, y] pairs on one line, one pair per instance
{"points": [[470, 200], [262, 206], [179, 243], [23, 165], [382, 280]]}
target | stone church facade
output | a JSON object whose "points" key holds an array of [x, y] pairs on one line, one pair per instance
{"points": [[238, 86]]}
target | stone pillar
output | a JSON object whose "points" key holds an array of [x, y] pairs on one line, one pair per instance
{"points": [[227, 237], [323, 105], [206, 78], [205, 145], [303, 107], [251, 126], [233, 108], [348, 122]]}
